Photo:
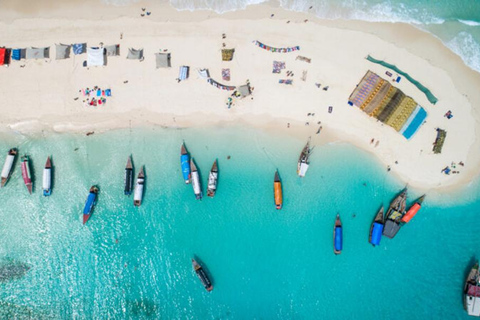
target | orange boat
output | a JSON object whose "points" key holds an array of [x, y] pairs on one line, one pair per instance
{"points": [[277, 191], [413, 210]]}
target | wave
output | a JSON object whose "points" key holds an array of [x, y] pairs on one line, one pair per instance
{"points": [[469, 22], [467, 48], [217, 6]]}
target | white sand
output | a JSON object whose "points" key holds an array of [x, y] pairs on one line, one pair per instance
{"points": [[40, 96]]}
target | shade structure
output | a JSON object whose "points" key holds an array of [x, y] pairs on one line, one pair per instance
{"points": [[244, 90], [95, 56], [163, 60], [79, 48], [135, 54], [4, 56], [38, 53], [62, 51], [183, 73], [113, 50], [18, 54]]}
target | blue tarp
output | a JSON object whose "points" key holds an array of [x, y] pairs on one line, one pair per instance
{"points": [[79, 48], [414, 123], [183, 73], [16, 54], [184, 159], [89, 203], [338, 239], [376, 233]]}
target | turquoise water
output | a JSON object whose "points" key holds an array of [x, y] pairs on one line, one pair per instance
{"points": [[134, 263]]}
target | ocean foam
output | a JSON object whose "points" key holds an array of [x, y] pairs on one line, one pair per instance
{"points": [[217, 6], [470, 22], [467, 48]]}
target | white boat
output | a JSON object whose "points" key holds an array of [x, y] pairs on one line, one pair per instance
{"points": [[212, 180], [47, 178], [197, 189], [303, 163], [8, 165], [138, 193], [471, 292]]}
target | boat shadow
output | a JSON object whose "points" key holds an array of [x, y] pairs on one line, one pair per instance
{"points": [[52, 174], [205, 268], [31, 166], [145, 184]]}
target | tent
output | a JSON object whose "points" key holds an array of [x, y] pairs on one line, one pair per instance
{"points": [[95, 56], [203, 73], [183, 73], [18, 54], [62, 51], [38, 53], [163, 60], [227, 54], [113, 50], [4, 56], [244, 90], [135, 54], [79, 48]]}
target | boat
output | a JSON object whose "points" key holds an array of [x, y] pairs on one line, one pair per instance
{"points": [[90, 203], [277, 191], [376, 229], [202, 275], [394, 215], [303, 163], [197, 189], [26, 174], [47, 178], [185, 161], [413, 210], [337, 236], [128, 180], [471, 292], [138, 195], [8, 165], [212, 180]]}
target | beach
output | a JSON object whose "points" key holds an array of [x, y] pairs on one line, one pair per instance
{"points": [[43, 95]]}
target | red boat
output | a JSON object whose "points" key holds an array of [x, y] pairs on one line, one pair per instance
{"points": [[27, 177], [413, 210]]}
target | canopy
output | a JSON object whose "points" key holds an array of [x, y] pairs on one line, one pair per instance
{"points": [[227, 54], [4, 56], [62, 51], [135, 54], [163, 60], [183, 73], [79, 48], [244, 90], [338, 239], [95, 56], [89, 203], [18, 54], [113, 50], [47, 178], [391, 229], [411, 212], [376, 233], [38, 53], [203, 73]]}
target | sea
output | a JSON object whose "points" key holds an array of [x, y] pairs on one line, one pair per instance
{"points": [[135, 262]]}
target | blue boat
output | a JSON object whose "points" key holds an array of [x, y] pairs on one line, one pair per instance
{"points": [[90, 204], [185, 161], [376, 230], [337, 236]]}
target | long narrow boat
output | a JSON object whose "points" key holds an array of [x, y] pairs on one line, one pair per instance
{"points": [[185, 162], [394, 215], [128, 180], [376, 229], [212, 180], [197, 188], [471, 292], [8, 165], [90, 203], [47, 178], [138, 195], [26, 174], [302, 165], [277, 191], [413, 210], [337, 236], [202, 275]]}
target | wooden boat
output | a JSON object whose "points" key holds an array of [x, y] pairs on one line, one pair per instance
{"points": [[26, 174], [302, 165], [8, 165], [413, 210], [197, 188], [185, 162], [471, 292], [212, 180], [337, 236], [47, 178], [376, 229], [277, 191], [394, 215], [202, 275], [138, 195], [90, 203], [128, 180]]}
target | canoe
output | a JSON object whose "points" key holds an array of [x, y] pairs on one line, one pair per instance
{"points": [[337, 236], [138, 195], [8, 165], [90, 203], [128, 179], [197, 188], [302, 165], [212, 180], [471, 292], [202, 275], [376, 229], [26, 174], [185, 162], [47, 178], [413, 210], [394, 215], [277, 191]]}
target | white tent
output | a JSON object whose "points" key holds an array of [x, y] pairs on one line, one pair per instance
{"points": [[95, 56], [183, 73]]}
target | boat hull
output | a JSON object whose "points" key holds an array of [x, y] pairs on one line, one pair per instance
{"points": [[338, 236], [202, 275], [8, 166], [27, 178], [47, 182], [197, 189], [90, 204], [212, 184], [138, 196], [128, 182], [277, 191]]}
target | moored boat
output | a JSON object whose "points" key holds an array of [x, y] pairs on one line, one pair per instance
{"points": [[212, 180], [8, 165], [302, 165], [47, 178], [376, 229], [394, 215], [138, 195], [90, 203], [413, 210], [471, 292], [338, 236], [277, 191], [185, 162], [128, 180], [26, 174], [197, 188], [202, 275]]}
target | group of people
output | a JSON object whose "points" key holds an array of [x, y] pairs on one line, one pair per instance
{"points": [[95, 96]]}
